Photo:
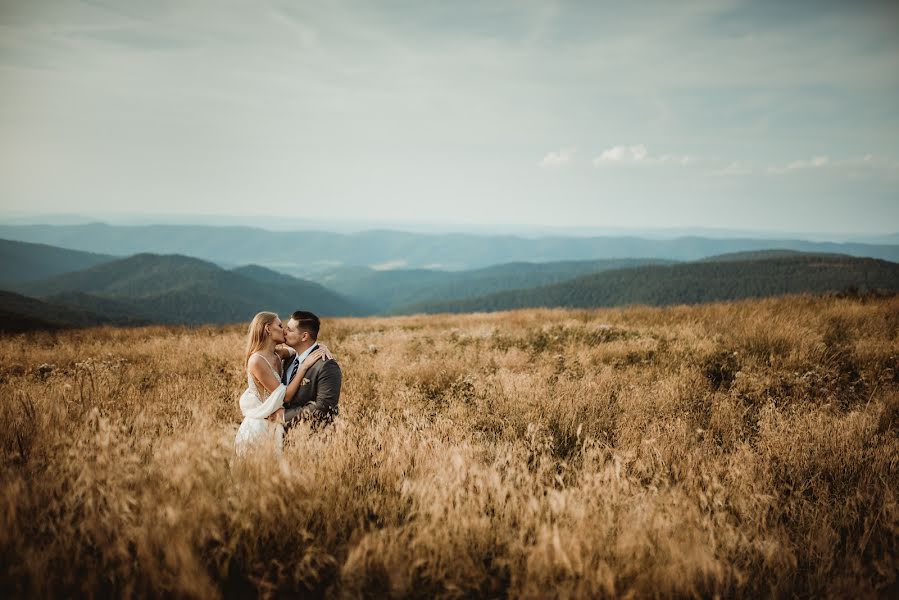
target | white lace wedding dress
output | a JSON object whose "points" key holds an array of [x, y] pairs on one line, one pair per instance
{"points": [[256, 404]]}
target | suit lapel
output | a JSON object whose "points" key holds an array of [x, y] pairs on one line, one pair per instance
{"points": [[304, 392], [297, 370]]}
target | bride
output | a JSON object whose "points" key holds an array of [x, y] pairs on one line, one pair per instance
{"points": [[262, 402]]}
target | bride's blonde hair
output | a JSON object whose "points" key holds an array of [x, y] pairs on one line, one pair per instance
{"points": [[256, 334]]}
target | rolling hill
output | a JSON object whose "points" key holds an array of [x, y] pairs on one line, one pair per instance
{"points": [[120, 312], [705, 281], [22, 261], [765, 255], [263, 275], [180, 289], [390, 290], [19, 314], [306, 252]]}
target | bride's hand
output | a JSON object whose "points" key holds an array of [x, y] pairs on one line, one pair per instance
{"points": [[326, 351], [321, 353]]}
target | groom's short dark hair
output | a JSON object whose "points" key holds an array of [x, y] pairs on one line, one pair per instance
{"points": [[308, 322]]}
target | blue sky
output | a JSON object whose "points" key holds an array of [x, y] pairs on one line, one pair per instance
{"points": [[745, 115]]}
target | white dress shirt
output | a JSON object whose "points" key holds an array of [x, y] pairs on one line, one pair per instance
{"points": [[299, 359]]}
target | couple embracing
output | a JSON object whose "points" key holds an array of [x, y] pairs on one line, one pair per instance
{"points": [[290, 378]]}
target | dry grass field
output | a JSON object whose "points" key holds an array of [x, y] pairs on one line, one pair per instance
{"points": [[745, 449]]}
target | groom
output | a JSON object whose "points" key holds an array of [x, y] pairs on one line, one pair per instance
{"points": [[316, 399]]}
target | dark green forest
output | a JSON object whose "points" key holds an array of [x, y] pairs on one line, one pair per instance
{"points": [[691, 283], [391, 291]]}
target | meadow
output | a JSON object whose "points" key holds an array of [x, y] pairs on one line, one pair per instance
{"points": [[742, 449]]}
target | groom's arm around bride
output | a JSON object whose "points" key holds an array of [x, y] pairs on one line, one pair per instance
{"points": [[320, 404], [317, 398]]}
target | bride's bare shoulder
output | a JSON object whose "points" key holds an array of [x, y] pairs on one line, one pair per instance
{"points": [[256, 361], [258, 364]]}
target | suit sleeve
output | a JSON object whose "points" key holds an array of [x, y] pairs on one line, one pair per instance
{"points": [[291, 413], [327, 394]]}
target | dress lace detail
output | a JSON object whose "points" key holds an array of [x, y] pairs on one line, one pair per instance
{"points": [[256, 404]]}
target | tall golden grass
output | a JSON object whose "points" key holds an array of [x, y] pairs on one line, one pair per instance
{"points": [[745, 449]]}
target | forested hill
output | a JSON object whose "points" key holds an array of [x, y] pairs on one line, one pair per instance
{"points": [[180, 289], [19, 314], [389, 291], [690, 283], [22, 261], [767, 254]]}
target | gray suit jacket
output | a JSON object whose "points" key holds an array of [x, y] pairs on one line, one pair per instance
{"points": [[316, 400]]}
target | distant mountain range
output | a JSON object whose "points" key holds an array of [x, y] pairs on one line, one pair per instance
{"points": [[306, 252], [21, 261], [720, 278], [146, 288]]}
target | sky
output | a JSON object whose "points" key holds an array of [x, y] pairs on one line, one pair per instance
{"points": [[781, 116]]}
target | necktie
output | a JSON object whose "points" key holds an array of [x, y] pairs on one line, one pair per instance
{"points": [[293, 368]]}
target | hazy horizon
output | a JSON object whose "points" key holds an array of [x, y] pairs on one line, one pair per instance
{"points": [[430, 228], [732, 116]]}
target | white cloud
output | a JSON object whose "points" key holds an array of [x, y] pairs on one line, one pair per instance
{"points": [[558, 159], [799, 165], [638, 154], [622, 154], [854, 164]]}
